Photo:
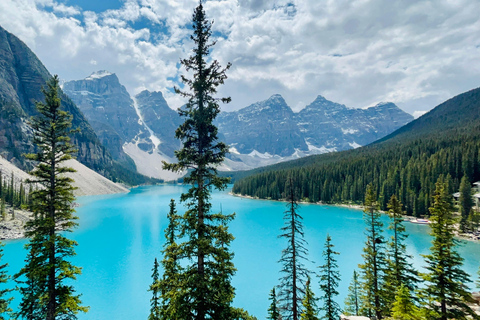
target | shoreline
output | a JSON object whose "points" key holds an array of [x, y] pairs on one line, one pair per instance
{"points": [[463, 236]]}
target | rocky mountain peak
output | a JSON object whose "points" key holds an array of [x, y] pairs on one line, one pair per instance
{"points": [[100, 74]]}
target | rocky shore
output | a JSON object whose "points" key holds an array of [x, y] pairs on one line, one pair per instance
{"points": [[13, 226]]}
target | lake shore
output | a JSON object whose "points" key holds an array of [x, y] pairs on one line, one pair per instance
{"points": [[462, 236]]}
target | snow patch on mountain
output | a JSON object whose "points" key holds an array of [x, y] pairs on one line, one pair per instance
{"points": [[150, 163], [354, 145], [156, 142], [98, 75]]}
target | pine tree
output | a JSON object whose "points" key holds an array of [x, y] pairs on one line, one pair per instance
{"points": [[49, 270], [403, 307], [352, 301], [445, 291], [5, 310], [465, 202], [3, 212], [329, 279], [207, 277], [292, 284], [154, 301], [399, 271], [273, 312], [309, 304], [169, 286], [373, 268]]}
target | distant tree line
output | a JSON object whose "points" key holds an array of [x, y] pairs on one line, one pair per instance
{"points": [[12, 193], [408, 170]]}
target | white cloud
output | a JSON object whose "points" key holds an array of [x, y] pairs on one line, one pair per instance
{"points": [[415, 53]]}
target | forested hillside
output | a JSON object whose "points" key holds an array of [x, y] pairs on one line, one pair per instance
{"points": [[406, 163]]}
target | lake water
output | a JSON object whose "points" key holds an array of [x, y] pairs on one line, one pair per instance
{"points": [[120, 235]]}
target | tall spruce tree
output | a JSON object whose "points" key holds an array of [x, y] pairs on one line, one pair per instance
{"points": [[169, 286], [309, 304], [48, 292], [292, 283], [445, 291], [273, 312], [399, 271], [209, 268], [154, 301], [352, 301], [465, 203], [329, 279], [5, 310], [373, 268]]}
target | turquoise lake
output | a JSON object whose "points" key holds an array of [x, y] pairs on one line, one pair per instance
{"points": [[120, 235]]}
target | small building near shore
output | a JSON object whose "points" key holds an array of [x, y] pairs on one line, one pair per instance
{"points": [[475, 196]]}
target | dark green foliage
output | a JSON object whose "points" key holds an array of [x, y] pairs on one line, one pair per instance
{"points": [[154, 288], [329, 279], [12, 193], [352, 301], [208, 266], [273, 312], [445, 293], [407, 164], [399, 271], [170, 286], [48, 292], [373, 268], [403, 307], [309, 304], [4, 300], [465, 202], [292, 283]]}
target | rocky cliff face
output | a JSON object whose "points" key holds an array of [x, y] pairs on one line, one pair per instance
{"points": [[265, 127], [22, 76]]}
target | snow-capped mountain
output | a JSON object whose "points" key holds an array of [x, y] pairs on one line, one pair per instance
{"points": [[267, 132]]}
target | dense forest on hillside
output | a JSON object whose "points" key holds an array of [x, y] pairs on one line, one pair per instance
{"points": [[406, 164]]}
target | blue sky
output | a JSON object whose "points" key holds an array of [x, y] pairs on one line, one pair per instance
{"points": [[415, 53]]}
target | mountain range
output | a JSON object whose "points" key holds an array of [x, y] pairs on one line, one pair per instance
{"points": [[267, 132]]}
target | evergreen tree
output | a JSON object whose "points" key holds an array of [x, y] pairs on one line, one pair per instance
{"points": [[373, 268], [465, 202], [352, 301], [154, 302], [169, 286], [4, 300], [399, 271], [3, 212], [445, 291], [49, 269], [403, 307], [292, 284], [309, 304], [209, 268], [273, 312], [329, 279]]}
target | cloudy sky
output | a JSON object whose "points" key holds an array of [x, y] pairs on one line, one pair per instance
{"points": [[415, 53]]}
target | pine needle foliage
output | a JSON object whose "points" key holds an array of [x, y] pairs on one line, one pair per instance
{"points": [[465, 202], [399, 271], [5, 310], [373, 268], [292, 283], [48, 292], [169, 286], [329, 280], [154, 301], [206, 277], [352, 301], [403, 307], [273, 312], [445, 292], [309, 304]]}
